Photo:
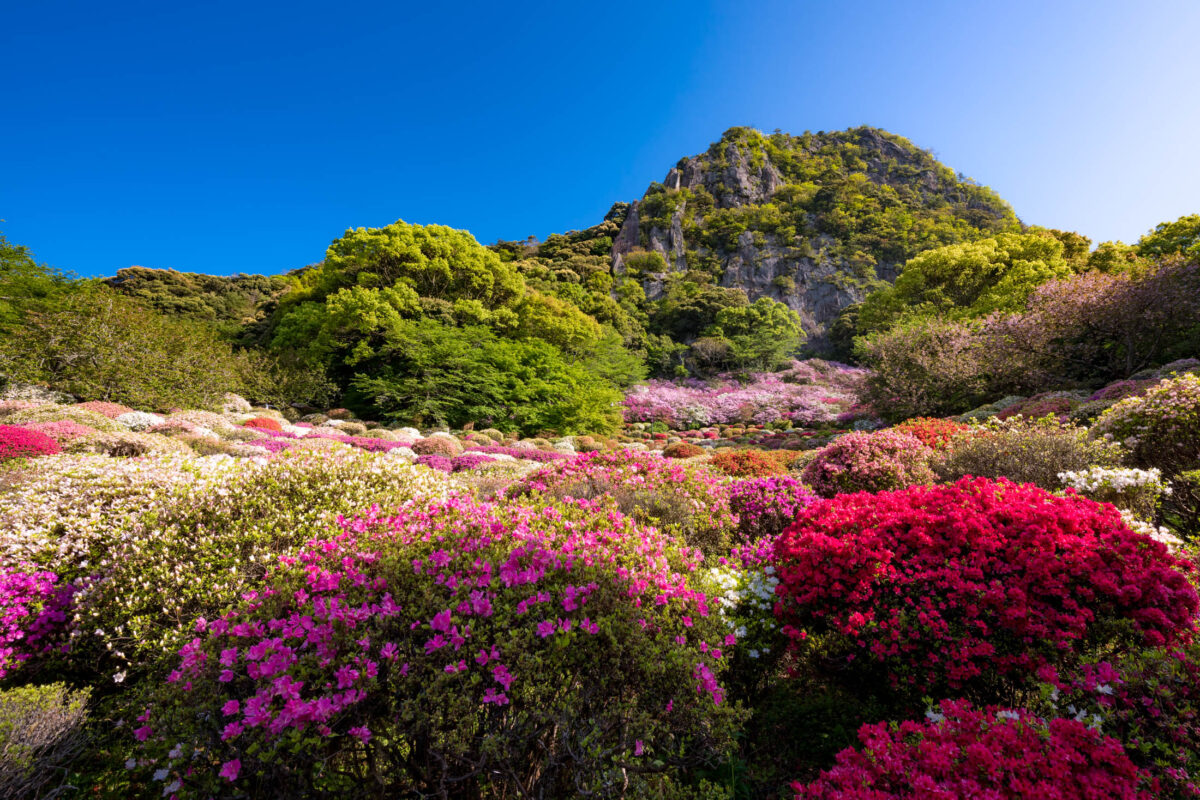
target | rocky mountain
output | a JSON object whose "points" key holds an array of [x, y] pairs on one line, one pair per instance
{"points": [[814, 221]]}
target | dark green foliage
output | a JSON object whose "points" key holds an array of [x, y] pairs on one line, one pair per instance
{"points": [[230, 302]]}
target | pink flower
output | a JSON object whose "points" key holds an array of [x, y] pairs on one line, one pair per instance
{"points": [[229, 770]]}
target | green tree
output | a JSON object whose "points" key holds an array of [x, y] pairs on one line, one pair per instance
{"points": [[1181, 236], [761, 335]]}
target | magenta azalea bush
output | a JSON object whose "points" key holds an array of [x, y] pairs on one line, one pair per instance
{"points": [[998, 754], [684, 499], [19, 442], [869, 462], [765, 506], [33, 611], [972, 587], [458, 650]]}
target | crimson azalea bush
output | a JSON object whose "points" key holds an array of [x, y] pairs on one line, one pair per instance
{"points": [[765, 506], [970, 588], [932, 432], [869, 462], [18, 442], [747, 463], [684, 499], [963, 752], [264, 423], [458, 649]]}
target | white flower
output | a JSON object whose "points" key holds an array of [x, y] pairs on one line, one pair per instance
{"points": [[119, 677], [936, 717], [1006, 714], [161, 774]]}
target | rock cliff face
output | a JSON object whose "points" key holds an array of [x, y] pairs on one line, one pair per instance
{"points": [[814, 221]]}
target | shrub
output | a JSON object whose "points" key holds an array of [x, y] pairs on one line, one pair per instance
{"points": [[454, 649], [208, 446], [201, 545], [1134, 490], [1161, 428], [71, 413], [110, 410], [352, 428], [587, 444], [63, 431], [128, 444], [747, 463], [445, 446], [32, 605], [869, 462], [930, 431], [265, 423], [41, 734], [963, 752], [683, 450], [339, 413], [17, 442], [685, 499], [1039, 407], [765, 506], [1025, 451], [139, 420], [972, 587]]}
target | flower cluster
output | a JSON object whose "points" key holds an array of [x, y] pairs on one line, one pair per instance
{"points": [[139, 420], [680, 497], [18, 442], [746, 598], [63, 430], [460, 463], [1000, 754], [32, 610], [765, 506], [490, 635], [945, 587], [1136, 490], [869, 462], [265, 423]]}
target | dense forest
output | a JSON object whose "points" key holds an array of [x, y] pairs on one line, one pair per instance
{"points": [[855, 244]]}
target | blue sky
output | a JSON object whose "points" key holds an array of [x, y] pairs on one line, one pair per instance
{"points": [[228, 137]]}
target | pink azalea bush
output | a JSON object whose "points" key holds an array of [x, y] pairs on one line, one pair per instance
{"points": [[110, 410], [963, 752], [20, 442], [462, 647], [63, 430], [765, 506], [684, 499], [1161, 428], [869, 462], [808, 393], [523, 453], [974, 586]]}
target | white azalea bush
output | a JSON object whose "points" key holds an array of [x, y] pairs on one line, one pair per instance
{"points": [[1134, 490]]}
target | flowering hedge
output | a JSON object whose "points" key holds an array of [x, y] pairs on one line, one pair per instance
{"points": [[869, 462], [1161, 428], [459, 647], [949, 588], [18, 442], [765, 506], [685, 499], [932, 432], [962, 752], [747, 463]]}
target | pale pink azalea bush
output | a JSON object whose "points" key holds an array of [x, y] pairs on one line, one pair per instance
{"points": [[555, 650], [869, 462]]}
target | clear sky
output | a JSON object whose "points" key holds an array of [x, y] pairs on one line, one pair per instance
{"points": [[243, 136]]}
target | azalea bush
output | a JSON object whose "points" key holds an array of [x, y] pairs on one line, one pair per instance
{"points": [[932, 432], [456, 648], [747, 463], [33, 606], [684, 499], [265, 423], [970, 588], [1161, 428], [202, 544], [1000, 754], [18, 442], [1033, 451], [1135, 490], [765, 506], [869, 462]]}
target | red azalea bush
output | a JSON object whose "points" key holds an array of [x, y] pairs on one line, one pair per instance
{"points": [[932, 432], [869, 462], [455, 649], [18, 442], [264, 423], [110, 410], [960, 588], [996, 754], [747, 464]]}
